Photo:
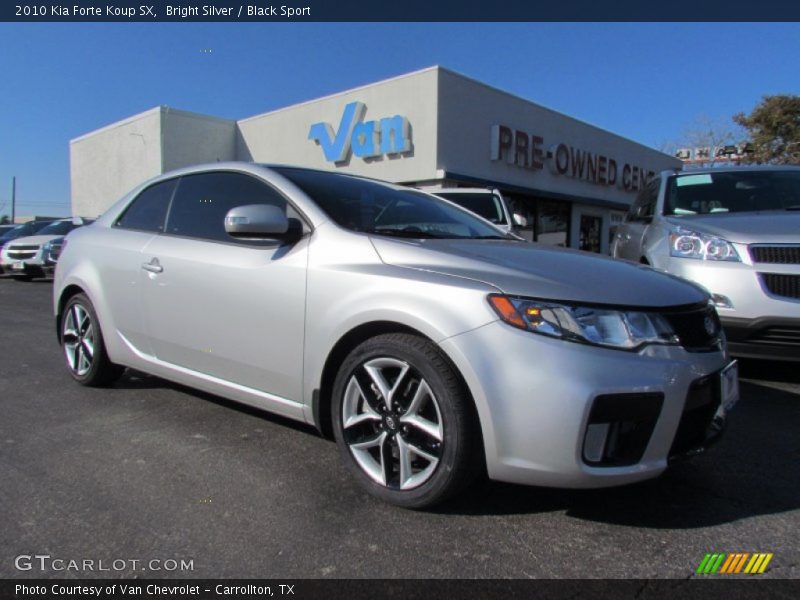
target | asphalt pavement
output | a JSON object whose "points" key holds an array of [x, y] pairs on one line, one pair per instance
{"points": [[163, 481]]}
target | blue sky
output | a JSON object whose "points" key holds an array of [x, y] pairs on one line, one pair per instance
{"points": [[648, 82]]}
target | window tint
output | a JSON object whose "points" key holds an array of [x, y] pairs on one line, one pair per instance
{"points": [[380, 209], [202, 201], [149, 210]]}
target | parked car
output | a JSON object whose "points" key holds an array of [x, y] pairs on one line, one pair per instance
{"points": [[17, 231], [28, 257], [426, 341], [735, 231], [485, 202]]}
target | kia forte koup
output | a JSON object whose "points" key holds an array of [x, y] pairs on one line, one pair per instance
{"points": [[432, 346]]}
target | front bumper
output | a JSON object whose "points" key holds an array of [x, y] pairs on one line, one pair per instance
{"points": [[27, 269], [536, 398], [766, 338], [759, 324]]}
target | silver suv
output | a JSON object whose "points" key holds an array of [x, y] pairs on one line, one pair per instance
{"points": [[736, 232], [427, 341]]}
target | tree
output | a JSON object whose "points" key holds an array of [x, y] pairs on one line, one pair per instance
{"points": [[774, 129], [704, 132], [5, 220]]}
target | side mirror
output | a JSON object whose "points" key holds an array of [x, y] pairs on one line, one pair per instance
{"points": [[259, 222], [520, 221]]}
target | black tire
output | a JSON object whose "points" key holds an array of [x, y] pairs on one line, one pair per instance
{"points": [[80, 331], [447, 410]]}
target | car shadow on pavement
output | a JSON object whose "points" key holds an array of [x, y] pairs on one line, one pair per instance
{"points": [[136, 380], [753, 470]]}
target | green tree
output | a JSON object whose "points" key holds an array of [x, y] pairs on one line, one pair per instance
{"points": [[774, 130], [5, 220]]}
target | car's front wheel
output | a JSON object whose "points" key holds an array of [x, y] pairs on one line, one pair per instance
{"points": [[82, 342], [404, 422]]}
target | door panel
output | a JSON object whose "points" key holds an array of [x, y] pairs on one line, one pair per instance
{"points": [[229, 311]]}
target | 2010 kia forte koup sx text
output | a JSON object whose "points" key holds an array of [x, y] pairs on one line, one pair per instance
{"points": [[430, 344]]}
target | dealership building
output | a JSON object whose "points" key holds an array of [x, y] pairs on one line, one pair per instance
{"points": [[570, 182]]}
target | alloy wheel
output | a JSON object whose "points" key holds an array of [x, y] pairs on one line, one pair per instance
{"points": [[78, 337], [392, 423]]}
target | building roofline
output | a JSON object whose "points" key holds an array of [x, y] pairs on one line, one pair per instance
{"points": [[548, 109], [162, 109], [342, 93]]}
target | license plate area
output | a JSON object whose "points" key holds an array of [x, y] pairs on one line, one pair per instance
{"points": [[729, 385]]}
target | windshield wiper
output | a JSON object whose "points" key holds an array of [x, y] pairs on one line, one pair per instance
{"points": [[792, 207]]}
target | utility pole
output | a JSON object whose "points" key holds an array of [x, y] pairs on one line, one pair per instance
{"points": [[13, 199]]}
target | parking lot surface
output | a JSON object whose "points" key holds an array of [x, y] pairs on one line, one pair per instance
{"points": [[151, 471]]}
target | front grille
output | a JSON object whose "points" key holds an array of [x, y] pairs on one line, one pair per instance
{"points": [[21, 254], [778, 255], [698, 330], [701, 405], [779, 284]]}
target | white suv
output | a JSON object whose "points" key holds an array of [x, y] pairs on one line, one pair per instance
{"points": [[484, 202]]}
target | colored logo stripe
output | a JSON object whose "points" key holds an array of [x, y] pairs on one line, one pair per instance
{"points": [[720, 562]]}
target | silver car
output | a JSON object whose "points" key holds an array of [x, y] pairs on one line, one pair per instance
{"points": [[425, 340], [736, 232]]}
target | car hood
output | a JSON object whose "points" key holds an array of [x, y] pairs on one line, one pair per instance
{"points": [[534, 270], [771, 226], [33, 240]]}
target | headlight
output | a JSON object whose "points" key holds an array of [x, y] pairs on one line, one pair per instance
{"points": [[621, 329], [685, 243]]}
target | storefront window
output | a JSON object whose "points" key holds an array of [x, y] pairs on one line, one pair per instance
{"points": [[552, 223], [590, 233], [544, 221]]}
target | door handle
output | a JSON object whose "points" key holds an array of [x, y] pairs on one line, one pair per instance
{"points": [[153, 266]]}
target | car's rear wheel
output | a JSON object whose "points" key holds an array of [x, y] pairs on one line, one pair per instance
{"points": [[82, 342], [404, 422]]}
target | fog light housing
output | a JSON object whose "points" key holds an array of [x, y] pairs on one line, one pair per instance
{"points": [[619, 428]]}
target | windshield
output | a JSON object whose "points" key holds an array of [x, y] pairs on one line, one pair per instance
{"points": [[485, 204], [26, 229], [727, 192], [58, 228], [372, 207]]}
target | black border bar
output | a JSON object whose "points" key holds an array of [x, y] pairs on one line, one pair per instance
{"points": [[699, 587], [151, 11]]}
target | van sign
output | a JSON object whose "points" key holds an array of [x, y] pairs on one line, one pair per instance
{"points": [[365, 139]]}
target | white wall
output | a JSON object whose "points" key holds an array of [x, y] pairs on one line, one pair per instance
{"points": [[468, 110], [107, 163], [190, 139], [282, 136]]}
